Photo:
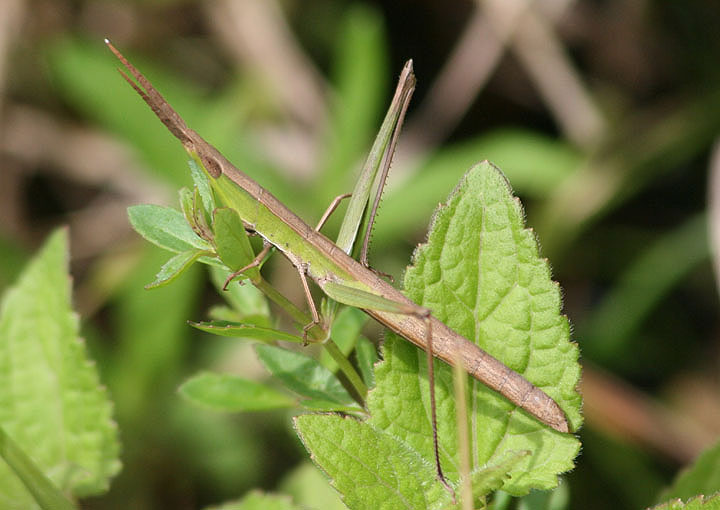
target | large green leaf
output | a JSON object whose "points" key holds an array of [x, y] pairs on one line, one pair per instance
{"points": [[481, 274], [52, 403]]}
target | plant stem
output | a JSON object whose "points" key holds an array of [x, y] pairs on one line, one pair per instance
{"points": [[42, 489], [346, 368], [317, 333]]}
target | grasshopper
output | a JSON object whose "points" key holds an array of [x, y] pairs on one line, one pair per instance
{"points": [[336, 273]]}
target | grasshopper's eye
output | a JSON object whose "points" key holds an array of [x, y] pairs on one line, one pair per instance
{"points": [[211, 165]]}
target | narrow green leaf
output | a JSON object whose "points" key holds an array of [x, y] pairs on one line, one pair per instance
{"points": [[165, 227], [186, 205], [52, 403], [327, 406], [302, 374], [231, 241], [203, 187], [239, 330], [192, 208], [701, 477], [257, 500], [366, 355], [176, 266], [229, 393]]}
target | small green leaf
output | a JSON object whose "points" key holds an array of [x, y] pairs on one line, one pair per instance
{"points": [[176, 266], [257, 500], [229, 393], [52, 403], [232, 242], [165, 227], [302, 374], [366, 355], [203, 187], [240, 330], [701, 477], [191, 207]]}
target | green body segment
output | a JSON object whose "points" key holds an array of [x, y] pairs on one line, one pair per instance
{"points": [[259, 217]]}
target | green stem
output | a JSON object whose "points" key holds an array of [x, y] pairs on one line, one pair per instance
{"points": [[317, 333], [346, 368], [42, 489], [293, 311]]}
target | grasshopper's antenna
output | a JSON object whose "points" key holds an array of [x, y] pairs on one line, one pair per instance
{"points": [[153, 98]]}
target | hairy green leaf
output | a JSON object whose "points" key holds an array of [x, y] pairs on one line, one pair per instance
{"points": [[370, 469], [480, 273], [229, 393], [52, 403]]}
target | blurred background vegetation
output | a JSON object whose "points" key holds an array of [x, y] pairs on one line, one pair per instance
{"points": [[603, 115]]}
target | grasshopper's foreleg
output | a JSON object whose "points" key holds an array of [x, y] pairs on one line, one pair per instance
{"points": [[255, 263]]}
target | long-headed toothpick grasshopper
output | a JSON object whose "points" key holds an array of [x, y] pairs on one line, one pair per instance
{"points": [[342, 278]]}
